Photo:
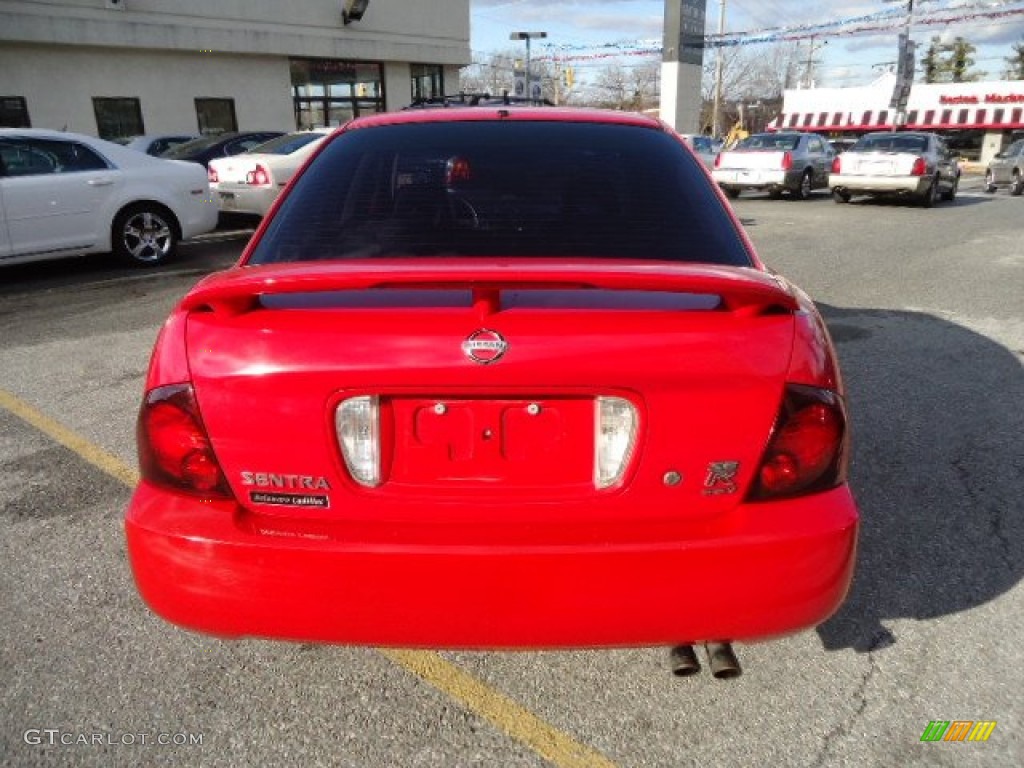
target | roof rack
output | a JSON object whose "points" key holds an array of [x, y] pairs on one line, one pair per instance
{"points": [[477, 100]]}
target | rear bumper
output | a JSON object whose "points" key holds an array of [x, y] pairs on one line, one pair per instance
{"points": [[769, 569], [895, 185], [757, 179], [234, 198]]}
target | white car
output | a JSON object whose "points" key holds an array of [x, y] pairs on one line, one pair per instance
{"points": [[156, 144], [702, 146], [65, 194], [250, 182]]}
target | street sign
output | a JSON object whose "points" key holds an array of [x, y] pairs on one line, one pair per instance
{"points": [[904, 73]]}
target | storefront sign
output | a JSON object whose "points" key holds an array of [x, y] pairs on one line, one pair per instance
{"points": [[990, 98]]}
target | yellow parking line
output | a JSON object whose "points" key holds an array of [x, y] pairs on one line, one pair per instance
{"points": [[555, 746]]}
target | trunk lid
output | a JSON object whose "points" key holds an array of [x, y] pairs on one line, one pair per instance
{"points": [[751, 159], [701, 352], [878, 163]]}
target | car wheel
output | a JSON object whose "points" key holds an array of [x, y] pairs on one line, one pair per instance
{"points": [[990, 185], [145, 234], [840, 196], [775, 194], [950, 194], [1017, 185], [732, 194], [931, 196], [804, 190]]}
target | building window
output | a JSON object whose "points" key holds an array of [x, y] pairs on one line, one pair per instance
{"points": [[1015, 116], [929, 117], [883, 117], [330, 92], [216, 116], [118, 118], [947, 115], [912, 117], [962, 117], [979, 116], [997, 116], [14, 112], [427, 81]]}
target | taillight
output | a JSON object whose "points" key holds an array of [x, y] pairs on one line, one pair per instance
{"points": [[718, 160], [174, 449], [837, 166], [357, 423], [614, 439], [259, 176], [211, 174], [807, 449], [787, 160], [920, 167]]}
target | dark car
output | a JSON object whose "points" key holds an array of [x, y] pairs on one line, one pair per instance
{"points": [[206, 148]]}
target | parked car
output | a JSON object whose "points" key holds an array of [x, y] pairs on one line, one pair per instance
{"points": [[912, 164], [841, 145], [250, 182], [703, 147], [156, 144], [206, 148], [1007, 169], [495, 377], [64, 194], [797, 163]]}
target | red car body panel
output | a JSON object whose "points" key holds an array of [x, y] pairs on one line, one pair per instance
{"points": [[487, 527]]}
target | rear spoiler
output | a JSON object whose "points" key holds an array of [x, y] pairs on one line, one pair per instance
{"points": [[741, 289]]}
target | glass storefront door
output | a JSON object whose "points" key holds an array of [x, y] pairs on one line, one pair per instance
{"points": [[329, 92]]}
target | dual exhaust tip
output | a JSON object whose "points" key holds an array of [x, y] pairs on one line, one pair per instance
{"points": [[721, 660]]}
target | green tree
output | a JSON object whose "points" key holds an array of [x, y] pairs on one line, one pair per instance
{"points": [[932, 66], [960, 60], [1015, 63]]}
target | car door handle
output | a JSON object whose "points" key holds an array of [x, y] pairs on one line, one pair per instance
{"points": [[100, 182]]}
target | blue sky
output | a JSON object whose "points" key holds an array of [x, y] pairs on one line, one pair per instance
{"points": [[847, 59]]}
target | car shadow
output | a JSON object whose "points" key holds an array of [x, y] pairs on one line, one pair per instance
{"points": [[936, 468]]}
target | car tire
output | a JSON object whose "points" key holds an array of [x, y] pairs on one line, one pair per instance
{"points": [[1017, 185], [775, 194], [950, 194], [990, 185], [931, 196], [803, 191], [841, 196], [732, 194], [145, 234]]}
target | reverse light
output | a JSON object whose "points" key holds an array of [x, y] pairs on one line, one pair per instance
{"points": [[259, 176], [614, 439], [807, 449], [211, 175], [837, 165], [920, 168], [787, 160], [174, 449], [357, 423]]}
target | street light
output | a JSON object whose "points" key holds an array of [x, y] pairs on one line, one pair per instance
{"points": [[527, 36]]}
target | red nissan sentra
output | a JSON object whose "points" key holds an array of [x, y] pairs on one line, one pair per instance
{"points": [[495, 377]]}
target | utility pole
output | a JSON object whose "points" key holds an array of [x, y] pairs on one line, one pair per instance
{"points": [[811, 61], [715, 125]]}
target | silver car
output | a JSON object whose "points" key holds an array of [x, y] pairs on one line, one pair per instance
{"points": [[1007, 169], [912, 164], [702, 146], [775, 162]]}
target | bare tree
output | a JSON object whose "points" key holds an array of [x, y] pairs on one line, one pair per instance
{"points": [[496, 75], [633, 88]]}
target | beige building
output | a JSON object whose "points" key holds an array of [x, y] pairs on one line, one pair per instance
{"points": [[123, 67]]}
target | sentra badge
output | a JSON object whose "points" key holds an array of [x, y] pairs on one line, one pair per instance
{"points": [[484, 346]]}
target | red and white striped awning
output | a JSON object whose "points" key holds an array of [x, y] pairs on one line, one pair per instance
{"points": [[994, 118]]}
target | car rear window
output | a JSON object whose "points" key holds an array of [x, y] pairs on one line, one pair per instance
{"points": [[187, 148], [891, 143], [503, 188], [773, 142], [287, 144]]}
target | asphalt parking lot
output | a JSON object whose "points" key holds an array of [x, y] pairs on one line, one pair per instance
{"points": [[927, 311]]}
